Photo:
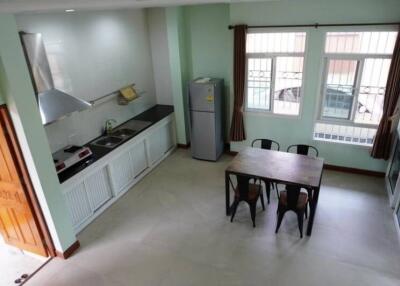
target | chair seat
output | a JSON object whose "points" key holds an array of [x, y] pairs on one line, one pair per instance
{"points": [[254, 192], [301, 202]]}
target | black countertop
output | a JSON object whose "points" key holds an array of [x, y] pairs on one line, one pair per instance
{"points": [[153, 115]]}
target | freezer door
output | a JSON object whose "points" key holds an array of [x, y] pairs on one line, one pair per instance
{"points": [[202, 97], [203, 143]]}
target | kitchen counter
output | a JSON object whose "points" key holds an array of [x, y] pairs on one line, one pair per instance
{"points": [[153, 115]]}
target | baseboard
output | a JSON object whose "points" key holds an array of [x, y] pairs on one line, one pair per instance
{"points": [[231, 153], [354, 171], [227, 148], [183, 146], [66, 254]]}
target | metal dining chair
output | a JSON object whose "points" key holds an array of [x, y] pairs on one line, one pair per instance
{"points": [[307, 150], [295, 199], [303, 149], [248, 192], [267, 144]]}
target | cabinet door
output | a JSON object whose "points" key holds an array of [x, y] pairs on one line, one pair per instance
{"points": [[78, 204], [166, 139], [139, 158], [122, 172], [155, 150], [98, 188], [160, 141]]}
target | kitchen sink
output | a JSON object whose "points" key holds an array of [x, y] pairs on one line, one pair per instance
{"points": [[108, 141], [120, 134], [124, 133]]}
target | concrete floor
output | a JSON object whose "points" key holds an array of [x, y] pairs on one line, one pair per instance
{"points": [[171, 229], [14, 263]]}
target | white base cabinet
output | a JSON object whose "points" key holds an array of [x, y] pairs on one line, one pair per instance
{"points": [[160, 141], [126, 167], [121, 172], [93, 190], [78, 204], [98, 188], [139, 158]]}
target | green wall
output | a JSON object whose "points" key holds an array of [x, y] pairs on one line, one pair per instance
{"points": [[1, 95], [210, 47], [315, 11], [179, 69]]}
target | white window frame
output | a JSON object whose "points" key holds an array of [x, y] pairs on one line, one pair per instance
{"points": [[347, 56], [273, 57]]}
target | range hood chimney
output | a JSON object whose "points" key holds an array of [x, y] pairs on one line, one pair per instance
{"points": [[53, 103]]}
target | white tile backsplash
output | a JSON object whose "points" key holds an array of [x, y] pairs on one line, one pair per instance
{"points": [[88, 124], [92, 54]]}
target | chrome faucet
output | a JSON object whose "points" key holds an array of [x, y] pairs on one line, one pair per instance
{"points": [[108, 128]]}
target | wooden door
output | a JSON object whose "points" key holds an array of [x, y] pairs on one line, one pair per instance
{"points": [[19, 224]]}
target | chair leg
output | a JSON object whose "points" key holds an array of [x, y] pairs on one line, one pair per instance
{"points": [[234, 207], [281, 213], [253, 212], [262, 201], [300, 216], [310, 195], [268, 190]]}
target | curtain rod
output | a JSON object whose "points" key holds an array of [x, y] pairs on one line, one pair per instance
{"points": [[316, 25]]}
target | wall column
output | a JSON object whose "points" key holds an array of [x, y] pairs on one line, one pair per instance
{"points": [[17, 92], [178, 66]]}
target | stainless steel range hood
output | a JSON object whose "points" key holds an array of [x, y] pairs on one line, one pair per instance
{"points": [[53, 103]]}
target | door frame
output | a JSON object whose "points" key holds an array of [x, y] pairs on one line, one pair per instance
{"points": [[16, 153]]}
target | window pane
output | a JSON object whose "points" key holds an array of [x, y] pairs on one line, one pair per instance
{"points": [[287, 89], [372, 91], [276, 42], [360, 42], [339, 88], [259, 83]]}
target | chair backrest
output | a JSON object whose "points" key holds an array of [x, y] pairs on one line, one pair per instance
{"points": [[303, 149], [266, 144], [243, 185], [293, 193]]}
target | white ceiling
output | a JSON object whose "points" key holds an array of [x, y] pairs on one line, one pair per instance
{"points": [[15, 6]]}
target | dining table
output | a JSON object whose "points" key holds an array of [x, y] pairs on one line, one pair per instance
{"points": [[281, 168]]}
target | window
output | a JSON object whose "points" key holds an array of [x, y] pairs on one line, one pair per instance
{"points": [[275, 71], [356, 67]]}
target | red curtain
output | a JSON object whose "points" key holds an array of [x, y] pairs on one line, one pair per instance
{"points": [[237, 132], [384, 135]]}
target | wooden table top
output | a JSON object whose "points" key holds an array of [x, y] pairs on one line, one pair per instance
{"points": [[278, 166]]}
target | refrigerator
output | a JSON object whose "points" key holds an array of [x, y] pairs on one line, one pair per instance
{"points": [[205, 108]]}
